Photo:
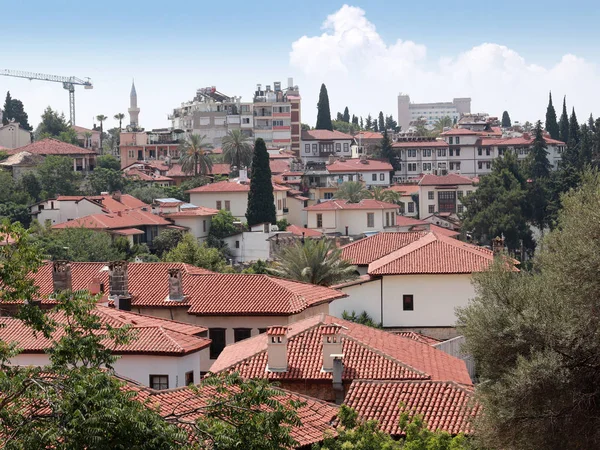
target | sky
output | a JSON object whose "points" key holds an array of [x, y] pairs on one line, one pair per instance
{"points": [[505, 56]]}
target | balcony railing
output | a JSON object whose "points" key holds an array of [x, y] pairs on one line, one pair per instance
{"points": [[263, 113]]}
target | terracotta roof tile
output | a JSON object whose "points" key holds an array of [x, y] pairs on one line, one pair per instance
{"points": [[358, 165], [230, 186], [120, 219], [445, 180], [299, 231], [277, 331], [417, 337], [369, 353], [443, 231], [332, 205], [279, 166], [323, 135], [444, 405], [51, 146], [405, 189], [192, 212], [368, 135], [404, 221], [463, 132], [365, 251]]}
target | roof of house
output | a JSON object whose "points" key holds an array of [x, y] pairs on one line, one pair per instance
{"points": [[433, 254], [359, 165], [332, 205], [143, 176], [417, 337], [365, 251], [301, 231], [149, 336], [445, 180], [404, 221], [443, 231], [405, 189], [233, 185], [110, 203], [174, 169], [462, 132], [79, 129], [111, 221], [444, 405], [193, 212], [369, 353], [420, 144], [515, 141], [368, 135], [51, 146], [323, 135], [279, 166]]}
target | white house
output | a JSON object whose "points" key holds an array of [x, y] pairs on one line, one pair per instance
{"points": [[372, 172], [258, 243], [13, 135], [443, 194], [408, 206], [319, 145], [196, 220], [340, 216], [232, 195], [413, 280]]}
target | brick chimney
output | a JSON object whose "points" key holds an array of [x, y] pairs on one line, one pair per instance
{"points": [[95, 287], [61, 276], [175, 285], [117, 196], [117, 277], [332, 345], [277, 349]]}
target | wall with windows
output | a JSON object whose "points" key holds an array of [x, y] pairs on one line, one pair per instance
{"points": [[436, 199], [357, 221], [236, 202], [62, 211], [198, 226], [315, 150]]}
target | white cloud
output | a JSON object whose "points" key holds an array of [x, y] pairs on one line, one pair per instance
{"points": [[366, 74]]}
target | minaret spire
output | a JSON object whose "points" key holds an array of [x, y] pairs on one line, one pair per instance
{"points": [[133, 110]]}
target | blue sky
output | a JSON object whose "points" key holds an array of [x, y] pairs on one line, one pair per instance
{"points": [[234, 45]]}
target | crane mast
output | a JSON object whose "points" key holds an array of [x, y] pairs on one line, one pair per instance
{"points": [[68, 83]]}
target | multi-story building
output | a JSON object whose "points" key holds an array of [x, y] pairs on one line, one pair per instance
{"points": [[442, 194], [137, 146], [420, 155], [431, 112], [320, 145]]}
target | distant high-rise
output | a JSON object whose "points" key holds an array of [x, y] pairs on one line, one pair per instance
{"points": [[133, 110], [409, 112]]}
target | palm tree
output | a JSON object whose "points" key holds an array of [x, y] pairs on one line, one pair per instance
{"points": [[384, 195], [119, 117], [352, 191], [87, 143], [194, 155], [237, 150], [316, 261], [443, 122], [101, 118]]}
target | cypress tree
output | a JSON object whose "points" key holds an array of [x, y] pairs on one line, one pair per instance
{"points": [[381, 121], [551, 123], [346, 115], [540, 166], [564, 123], [585, 146], [7, 110], [354, 120], [591, 122], [506, 123], [323, 112], [369, 122], [374, 128], [387, 150], [19, 115], [362, 123], [261, 201], [574, 128]]}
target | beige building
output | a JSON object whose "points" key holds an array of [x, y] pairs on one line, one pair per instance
{"points": [[443, 194], [88, 138], [320, 145], [409, 112], [12, 135], [196, 220]]}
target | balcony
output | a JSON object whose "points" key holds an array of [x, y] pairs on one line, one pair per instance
{"points": [[263, 127], [263, 113]]}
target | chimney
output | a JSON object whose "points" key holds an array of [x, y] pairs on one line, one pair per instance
{"points": [[175, 285], [332, 345], [243, 175], [117, 276], [498, 244], [61, 276], [116, 196], [95, 287], [277, 349], [338, 385]]}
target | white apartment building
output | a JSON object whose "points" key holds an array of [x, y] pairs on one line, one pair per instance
{"points": [[431, 112], [443, 194], [420, 156], [372, 172], [320, 145]]}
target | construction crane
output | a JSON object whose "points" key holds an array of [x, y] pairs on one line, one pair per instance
{"points": [[67, 82]]}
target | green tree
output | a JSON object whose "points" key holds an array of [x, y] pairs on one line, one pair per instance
{"points": [[384, 195], [57, 176], [259, 267], [15, 212], [282, 224], [69, 136], [539, 166], [76, 244], [369, 122], [166, 241], [344, 127], [564, 123], [362, 124], [441, 123], [316, 261], [105, 180], [551, 123], [363, 318], [119, 117], [387, 151], [16, 112], [573, 129], [7, 112], [339, 117], [506, 123], [346, 115], [108, 162], [323, 112], [194, 156], [30, 184], [148, 194], [221, 226], [101, 118], [355, 121], [190, 252], [391, 124], [52, 124], [237, 151], [261, 201], [533, 337], [352, 191], [381, 122], [305, 127]]}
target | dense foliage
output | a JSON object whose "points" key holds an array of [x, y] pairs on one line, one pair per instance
{"points": [[261, 201], [323, 111]]}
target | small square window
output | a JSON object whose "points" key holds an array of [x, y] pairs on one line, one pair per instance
{"points": [[159, 382], [430, 195], [374, 177], [189, 378], [431, 209], [408, 303]]}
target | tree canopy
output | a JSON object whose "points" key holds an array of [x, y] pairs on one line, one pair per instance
{"points": [[551, 123], [323, 111], [506, 123], [261, 201], [14, 110], [352, 191], [564, 123], [194, 155]]}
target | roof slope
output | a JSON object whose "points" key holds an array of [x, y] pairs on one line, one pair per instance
{"points": [[51, 146], [323, 135], [367, 250], [233, 185], [369, 353], [444, 180], [109, 203], [332, 205], [301, 231], [444, 405], [110, 221], [358, 165]]}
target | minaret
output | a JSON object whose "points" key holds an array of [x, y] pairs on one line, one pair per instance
{"points": [[133, 110]]}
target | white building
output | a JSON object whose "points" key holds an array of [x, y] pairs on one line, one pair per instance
{"points": [[196, 220], [443, 194], [320, 145], [420, 156], [372, 172], [409, 112], [260, 242], [339, 216], [12, 135]]}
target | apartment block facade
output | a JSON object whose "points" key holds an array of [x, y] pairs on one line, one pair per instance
{"points": [[431, 112]]}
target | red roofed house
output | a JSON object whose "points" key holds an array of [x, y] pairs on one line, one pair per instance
{"points": [[165, 172], [340, 216], [84, 159], [88, 138], [372, 172], [408, 206], [421, 156], [367, 142], [322, 356], [196, 220], [443, 194], [319, 145], [413, 280]]}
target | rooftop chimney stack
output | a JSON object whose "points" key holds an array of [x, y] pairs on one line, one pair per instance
{"points": [[175, 285], [117, 196], [332, 345], [117, 276], [277, 349], [61, 276], [338, 385]]}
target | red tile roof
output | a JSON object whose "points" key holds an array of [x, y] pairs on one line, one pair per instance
{"points": [[444, 180], [230, 186], [307, 232], [367, 250], [368, 135], [324, 135], [149, 335], [113, 221], [332, 205], [443, 231], [404, 221], [358, 165], [279, 166], [108, 202], [420, 144], [277, 331], [444, 405], [405, 189], [50, 146], [417, 337], [462, 132], [136, 173], [369, 353], [174, 169], [433, 254], [516, 141], [128, 231], [192, 212]]}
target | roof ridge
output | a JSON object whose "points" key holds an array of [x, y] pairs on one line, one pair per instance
{"points": [[166, 333], [403, 251]]}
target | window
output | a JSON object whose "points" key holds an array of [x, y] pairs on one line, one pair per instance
{"points": [[328, 195], [412, 153], [237, 244], [387, 219], [217, 337], [479, 151], [306, 148], [131, 154], [480, 165], [457, 151], [262, 330], [338, 147], [314, 148], [431, 209], [457, 140], [189, 378], [278, 123], [227, 205], [450, 140], [408, 303], [460, 208], [204, 226], [427, 152], [374, 177], [319, 220], [412, 167], [159, 382], [245, 120], [426, 166], [239, 334], [219, 204], [346, 147], [459, 194], [430, 195], [442, 152], [370, 220], [279, 205], [500, 152], [411, 207], [487, 152], [451, 152], [454, 166], [382, 177], [447, 201], [402, 207], [488, 165]]}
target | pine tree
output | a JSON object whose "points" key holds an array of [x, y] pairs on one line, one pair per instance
{"points": [[369, 123], [591, 122], [506, 123], [540, 166], [564, 123], [381, 121], [573, 129], [346, 115], [585, 146], [374, 127], [261, 201], [323, 112], [551, 123], [13, 110], [354, 120], [7, 110], [339, 117]]}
